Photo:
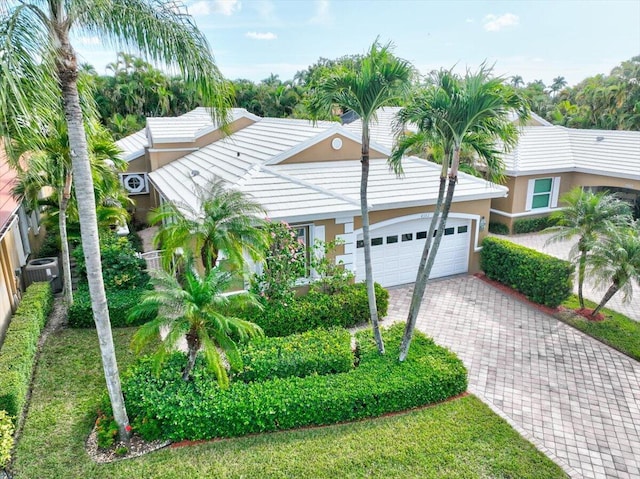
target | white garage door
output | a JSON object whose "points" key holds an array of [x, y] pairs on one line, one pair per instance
{"points": [[396, 250]]}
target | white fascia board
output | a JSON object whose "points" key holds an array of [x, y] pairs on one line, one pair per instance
{"points": [[160, 150], [612, 173], [133, 155], [541, 171], [313, 217]]}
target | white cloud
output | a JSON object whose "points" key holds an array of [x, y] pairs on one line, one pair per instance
{"points": [[469, 20], [261, 36], [495, 23], [206, 7], [322, 15]]}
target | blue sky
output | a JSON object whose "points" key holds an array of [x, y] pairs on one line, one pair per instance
{"points": [[533, 39]]}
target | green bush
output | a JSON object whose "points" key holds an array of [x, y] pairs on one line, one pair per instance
{"points": [[316, 310], [119, 303], [542, 278], [199, 409], [6, 438], [18, 353], [313, 352], [498, 228], [531, 225]]}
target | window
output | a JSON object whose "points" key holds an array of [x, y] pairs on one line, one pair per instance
{"points": [[360, 244], [462, 229], [449, 231], [376, 241], [302, 235], [392, 239], [542, 193], [407, 237], [135, 183], [421, 235]]}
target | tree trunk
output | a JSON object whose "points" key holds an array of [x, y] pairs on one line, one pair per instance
{"points": [[366, 238], [67, 76], [582, 264], [421, 280], [193, 345], [66, 262], [613, 289]]}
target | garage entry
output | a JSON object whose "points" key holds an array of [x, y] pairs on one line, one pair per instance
{"points": [[396, 250]]}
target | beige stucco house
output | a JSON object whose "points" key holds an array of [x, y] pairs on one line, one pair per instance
{"points": [[309, 175]]}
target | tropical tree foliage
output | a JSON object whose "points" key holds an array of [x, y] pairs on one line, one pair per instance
{"points": [[194, 308], [39, 70], [222, 221], [379, 79], [590, 216], [474, 110]]}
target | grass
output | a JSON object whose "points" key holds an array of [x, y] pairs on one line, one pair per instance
{"points": [[461, 438], [617, 330]]}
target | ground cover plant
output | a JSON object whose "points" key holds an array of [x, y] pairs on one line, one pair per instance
{"points": [[616, 330], [165, 407], [461, 438]]}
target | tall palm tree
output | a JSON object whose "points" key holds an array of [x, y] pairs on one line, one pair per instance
{"points": [[589, 216], [379, 79], [558, 84], [517, 81], [224, 221], [39, 70], [615, 261], [452, 112], [194, 308]]}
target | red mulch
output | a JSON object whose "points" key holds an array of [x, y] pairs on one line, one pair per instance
{"points": [[588, 314], [521, 297]]}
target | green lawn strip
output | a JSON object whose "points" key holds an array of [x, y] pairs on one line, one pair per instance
{"points": [[617, 330], [461, 438]]}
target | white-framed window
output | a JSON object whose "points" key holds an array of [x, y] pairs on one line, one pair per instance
{"points": [[135, 183], [542, 193]]}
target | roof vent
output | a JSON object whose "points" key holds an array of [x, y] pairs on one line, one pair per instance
{"points": [[238, 154], [599, 138], [194, 173]]}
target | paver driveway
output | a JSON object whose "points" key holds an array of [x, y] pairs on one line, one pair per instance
{"points": [[573, 397]]}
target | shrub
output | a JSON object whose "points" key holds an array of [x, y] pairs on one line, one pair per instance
{"points": [[199, 409], [312, 352], [6, 438], [542, 278], [498, 228], [18, 352], [119, 303], [531, 225], [50, 246], [316, 310]]}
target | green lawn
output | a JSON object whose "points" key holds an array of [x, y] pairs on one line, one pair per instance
{"points": [[617, 330], [461, 438]]}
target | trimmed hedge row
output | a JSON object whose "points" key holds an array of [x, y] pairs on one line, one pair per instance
{"points": [[119, 303], [165, 406], [316, 310], [313, 352], [531, 225], [18, 353], [542, 278], [498, 228]]}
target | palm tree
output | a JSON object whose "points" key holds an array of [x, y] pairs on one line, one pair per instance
{"points": [[224, 221], [558, 84], [615, 261], [589, 216], [453, 112], [517, 81], [47, 164], [40, 70], [194, 308], [379, 79]]}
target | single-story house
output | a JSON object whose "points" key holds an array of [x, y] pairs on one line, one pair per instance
{"points": [[308, 174], [19, 233]]}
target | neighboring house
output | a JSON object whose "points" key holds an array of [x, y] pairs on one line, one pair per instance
{"points": [[309, 175], [18, 233], [551, 160]]}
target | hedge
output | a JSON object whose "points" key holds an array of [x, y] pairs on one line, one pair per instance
{"points": [[119, 303], [313, 352], [166, 406], [18, 352], [498, 228], [542, 278], [531, 225], [316, 310]]}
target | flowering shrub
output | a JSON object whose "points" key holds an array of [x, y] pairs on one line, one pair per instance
{"points": [[284, 263], [6, 438], [332, 276]]}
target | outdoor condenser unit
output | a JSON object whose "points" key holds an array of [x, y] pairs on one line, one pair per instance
{"points": [[44, 269]]}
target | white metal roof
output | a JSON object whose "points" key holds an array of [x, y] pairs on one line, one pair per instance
{"points": [[133, 146], [305, 191], [555, 149], [382, 130]]}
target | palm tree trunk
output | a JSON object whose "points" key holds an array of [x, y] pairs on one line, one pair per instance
{"points": [[421, 279], [582, 264], [193, 345], [68, 75], [66, 262], [613, 289], [421, 282], [366, 237]]}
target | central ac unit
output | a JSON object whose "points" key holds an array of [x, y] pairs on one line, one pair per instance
{"points": [[43, 269]]}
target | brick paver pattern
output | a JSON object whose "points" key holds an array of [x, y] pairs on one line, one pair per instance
{"points": [[575, 398]]}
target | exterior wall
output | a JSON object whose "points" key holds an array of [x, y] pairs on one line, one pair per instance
{"points": [[9, 283], [323, 151]]}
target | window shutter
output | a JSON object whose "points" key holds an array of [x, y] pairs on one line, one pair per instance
{"points": [[555, 192], [317, 234], [528, 204]]}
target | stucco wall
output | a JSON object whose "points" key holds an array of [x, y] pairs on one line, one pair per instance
{"points": [[323, 151]]}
